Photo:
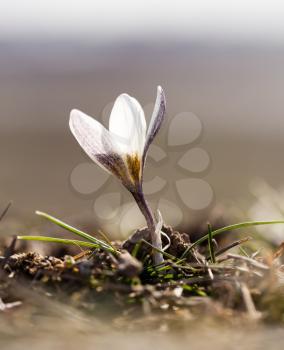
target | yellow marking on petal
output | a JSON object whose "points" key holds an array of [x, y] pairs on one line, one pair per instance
{"points": [[133, 162]]}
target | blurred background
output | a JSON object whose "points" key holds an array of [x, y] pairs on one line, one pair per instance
{"points": [[222, 61]]}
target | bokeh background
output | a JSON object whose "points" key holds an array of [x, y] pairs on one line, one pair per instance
{"points": [[221, 60]]}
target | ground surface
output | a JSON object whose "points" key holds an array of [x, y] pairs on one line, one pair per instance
{"points": [[72, 298]]}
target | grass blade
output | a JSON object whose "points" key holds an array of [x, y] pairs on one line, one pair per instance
{"points": [[105, 237], [5, 210], [229, 228], [232, 245], [75, 231], [58, 240], [136, 249], [210, 245], [167, 255]]}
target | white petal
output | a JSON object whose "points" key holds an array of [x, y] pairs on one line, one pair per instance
{"points": [[127, 121], [156, 119], [92, 136]]}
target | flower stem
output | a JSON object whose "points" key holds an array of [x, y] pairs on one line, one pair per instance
{"points": [[151, 223]]}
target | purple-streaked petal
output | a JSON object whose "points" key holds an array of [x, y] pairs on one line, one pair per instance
{"points": [[92, 136], [156, 120]]}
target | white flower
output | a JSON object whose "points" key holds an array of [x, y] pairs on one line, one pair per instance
{"points": [[122, 149]]}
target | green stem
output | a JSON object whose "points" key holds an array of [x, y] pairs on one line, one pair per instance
{"points": [[151, 223]]}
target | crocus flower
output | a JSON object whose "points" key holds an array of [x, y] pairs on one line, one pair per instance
{"points": [[122, 150]]}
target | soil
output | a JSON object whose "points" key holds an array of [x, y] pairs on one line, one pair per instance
{"points": [[129, 283], [178, 242]]}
